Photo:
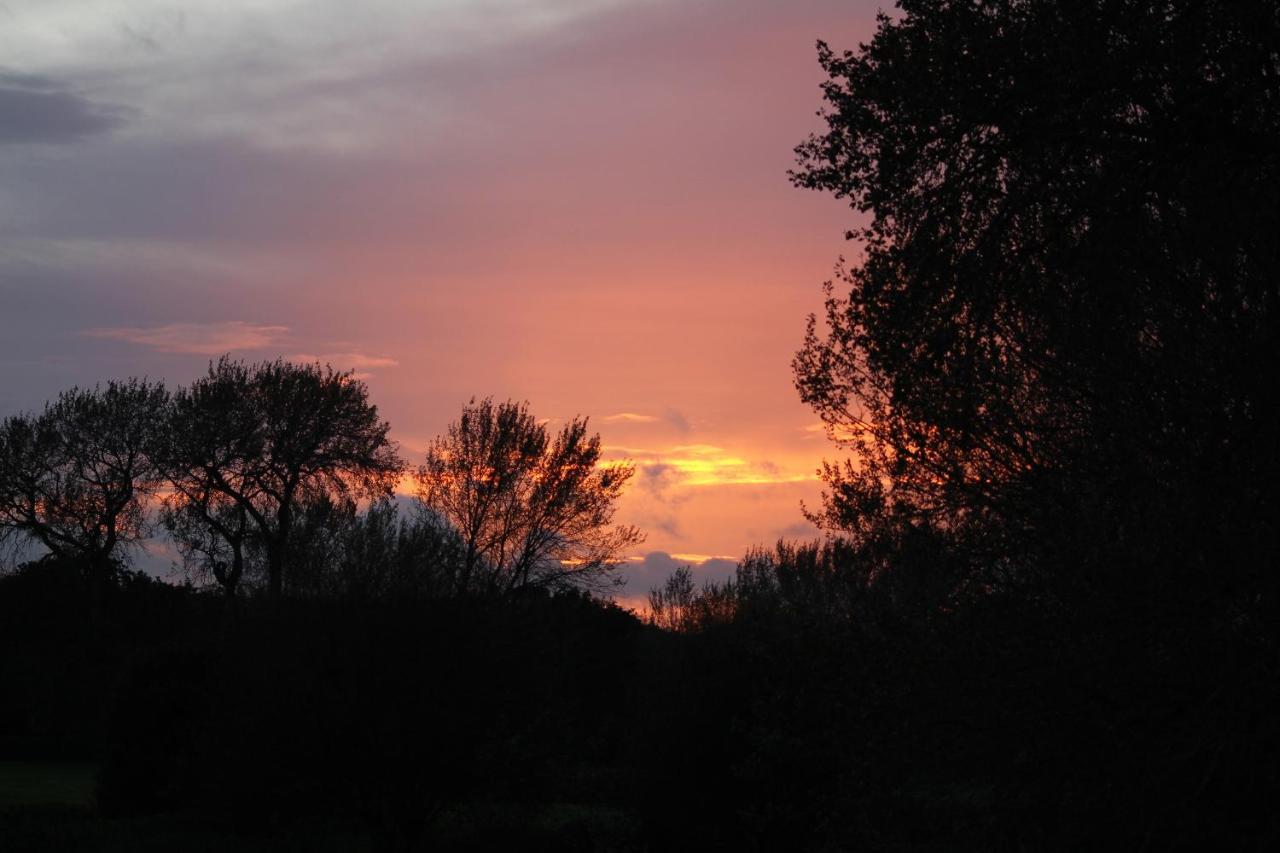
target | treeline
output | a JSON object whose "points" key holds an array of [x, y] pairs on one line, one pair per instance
{"points": [[280, 477], [815, 702], [345, 672]]}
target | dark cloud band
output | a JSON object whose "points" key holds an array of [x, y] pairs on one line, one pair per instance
{"points": [[38, 110]]}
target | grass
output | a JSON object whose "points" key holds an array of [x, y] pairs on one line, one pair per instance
{"points": [[48, 805], [46, 783], [63, 829]]}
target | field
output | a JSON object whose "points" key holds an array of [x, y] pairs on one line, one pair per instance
{"points": [[43, 783], [48, 806]]}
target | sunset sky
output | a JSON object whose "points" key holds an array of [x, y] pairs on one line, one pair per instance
{"points": [[581, 203]]}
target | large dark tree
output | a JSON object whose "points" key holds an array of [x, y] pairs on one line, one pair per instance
{"points": [[76, 478], [532, 510], [1061, 334], [256, 442]]}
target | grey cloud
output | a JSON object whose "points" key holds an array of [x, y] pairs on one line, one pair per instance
{"points": [[668, 525], [224, 192], [799, 530], [716, 569], [171, 180], [663, 522], [656, 477], [676, 419], [36, 109], [657, 566]]}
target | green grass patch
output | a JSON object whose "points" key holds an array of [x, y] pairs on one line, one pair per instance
{"points": [[29, 783], [61, 829]]}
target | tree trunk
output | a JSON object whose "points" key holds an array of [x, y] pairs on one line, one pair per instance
{"points": [[99, 571], [278, 552], [237, 569], [275, 570], [464, 584]]}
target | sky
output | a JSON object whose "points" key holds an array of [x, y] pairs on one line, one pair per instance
{"points": [[579, 203]]}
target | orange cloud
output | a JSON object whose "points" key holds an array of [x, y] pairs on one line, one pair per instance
{"points": [[705, 465], [699, 559]]}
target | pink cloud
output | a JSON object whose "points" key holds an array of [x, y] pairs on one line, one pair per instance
{"points": [[353, 360]]}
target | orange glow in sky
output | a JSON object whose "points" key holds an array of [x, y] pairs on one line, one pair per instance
{"points": [[580, 203]]}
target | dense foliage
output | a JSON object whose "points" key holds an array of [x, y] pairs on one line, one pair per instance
{"points": [[75, 478], [1060, 339], [249, 446]]}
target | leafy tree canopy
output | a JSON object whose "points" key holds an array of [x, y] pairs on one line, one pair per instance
{"points": [[76, 477], [1061, 328], [254, 442], [533, 510]]}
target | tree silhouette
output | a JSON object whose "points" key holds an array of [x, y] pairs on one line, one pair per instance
{"points": [[1062, 332], [211, 531], [75, 478], [671, 605], [257, 441], [679, 606], [532, 511], [378, 554]]}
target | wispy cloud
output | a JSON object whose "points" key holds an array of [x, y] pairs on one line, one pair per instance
{"points": [[360, 364], [354, 360], [196, 338], [138, 258], [671, 417], [629, 418]]}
